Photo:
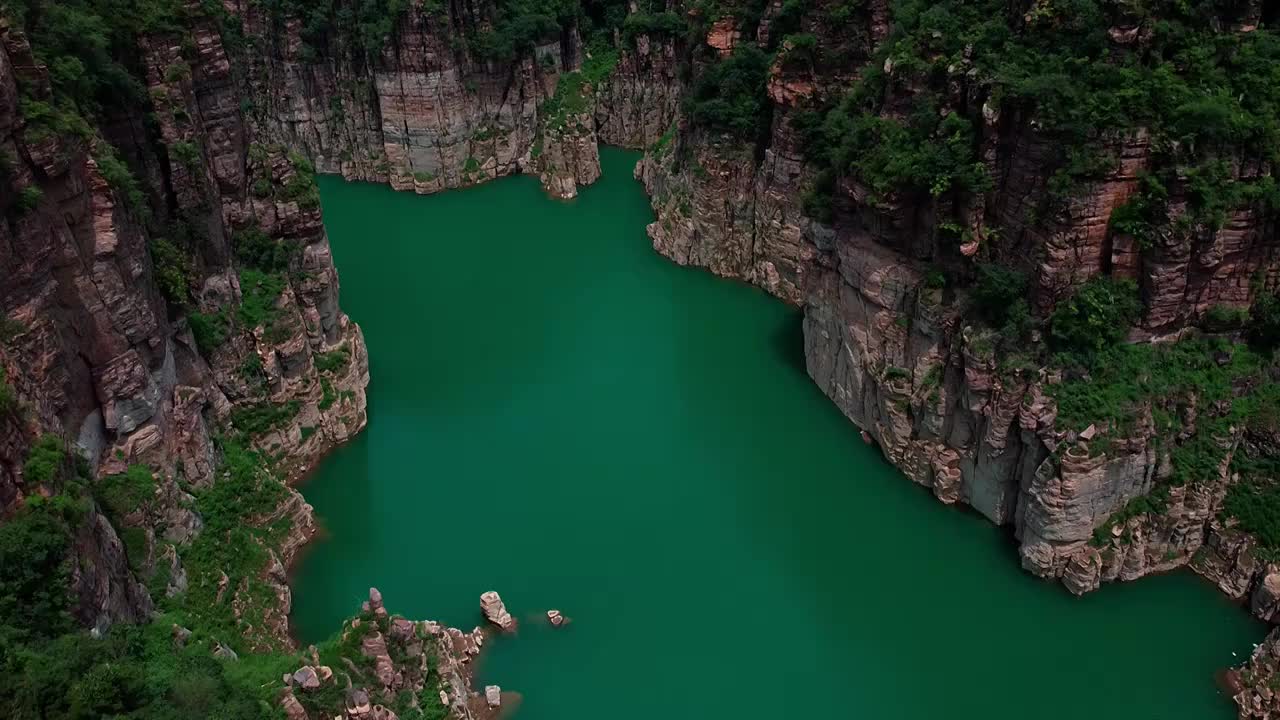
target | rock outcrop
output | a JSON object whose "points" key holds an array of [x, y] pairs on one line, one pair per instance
{"points": [[398, 666], [495, 611]]}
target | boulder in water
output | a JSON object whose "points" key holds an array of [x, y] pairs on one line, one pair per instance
{"points": [[493, 695], [496, 612]]}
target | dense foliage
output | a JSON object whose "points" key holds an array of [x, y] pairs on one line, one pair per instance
{"points": [[1096, 317], [1203, 92], [729, 95]]}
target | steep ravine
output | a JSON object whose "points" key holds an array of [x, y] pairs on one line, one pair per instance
{"points": [[160, 321]]}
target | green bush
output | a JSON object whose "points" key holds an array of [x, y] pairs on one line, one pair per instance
{"points": [[48, 462], [257, 250], [1264, 322], [730, 96], [1255, 501], [209, 330], [263, 417], [996, 289], [1095, 318], [174, 269], [333, 361], [662, 24], [522, 24], [187, 155], [301, 187], [119, 176], [1223, 318], [258, 294], [327, 396], [126, 492], [35, 598], [29, 198]]}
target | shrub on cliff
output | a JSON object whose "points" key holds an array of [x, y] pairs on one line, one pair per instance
{"points": [[209, 330], [126, 492], [1095, 318], [1264, 322], [661, 25], [29, 199], [730, 96], [257, 250], [520, 25], [173, 270], [995, 290]]}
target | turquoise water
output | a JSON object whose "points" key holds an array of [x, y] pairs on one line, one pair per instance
{"points": [[559, 414]]}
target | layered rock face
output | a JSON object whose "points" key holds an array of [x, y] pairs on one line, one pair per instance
{"points": [[424, 114], [902, 359], [95, 352]]}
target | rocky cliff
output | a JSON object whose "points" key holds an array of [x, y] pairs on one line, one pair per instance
{"points": [[142, 317], [171, 307], [896, 346]]}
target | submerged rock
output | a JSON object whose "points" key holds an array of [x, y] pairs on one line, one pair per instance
{"points": [[556, 618]]}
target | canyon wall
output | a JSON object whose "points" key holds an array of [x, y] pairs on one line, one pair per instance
{"points": [[426, 115], [95, 352], [901, 354], [160, 323]]}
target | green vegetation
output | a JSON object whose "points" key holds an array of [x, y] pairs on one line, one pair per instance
{"points": [[120, 177], [1095, 318], [29, 198], [327, 396], [999, 302], [333, 361], [187, 155], [1223, 318], [1264, 322], [127, 492], [519, 25], [47, 462], [301, 187], [730, 95], [174, 271], [257, 250], [1255, 500], [1210, 375], [572, 89], [209, 329], [258, 294], [1204, 93], [263, 417], [49, 668], [661, 24]]}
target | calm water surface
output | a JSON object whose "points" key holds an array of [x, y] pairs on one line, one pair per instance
{"points": [[559, 414]]}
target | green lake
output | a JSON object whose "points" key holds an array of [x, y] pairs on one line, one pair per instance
{"points": [[560, 414]]}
